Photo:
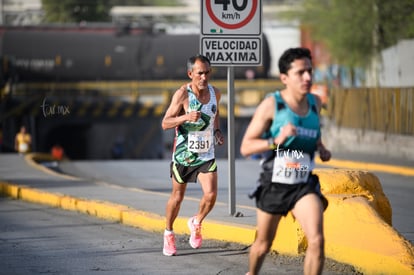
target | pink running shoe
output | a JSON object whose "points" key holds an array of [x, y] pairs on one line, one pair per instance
{"points": [[195, 238], [169, 245]]}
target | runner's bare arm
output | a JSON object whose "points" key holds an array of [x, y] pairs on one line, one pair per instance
{"points": [[218, 135], [324, 153], [176, 114], [253, 142]]}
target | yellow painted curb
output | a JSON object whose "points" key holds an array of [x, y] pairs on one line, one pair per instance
{"points": [[38, 196], [373, 167], [9, 190], [228, 232], [126, 215], [144, 220], [355, 233], [101, 209]]}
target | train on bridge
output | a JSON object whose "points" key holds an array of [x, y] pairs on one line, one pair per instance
{"points": [[104, 53]]}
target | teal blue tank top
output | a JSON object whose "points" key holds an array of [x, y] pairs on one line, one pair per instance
{"points": [[308, 126]]}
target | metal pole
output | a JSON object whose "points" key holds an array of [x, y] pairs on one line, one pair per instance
{"points": [[33, 132], [231, 139], [1, 13]]}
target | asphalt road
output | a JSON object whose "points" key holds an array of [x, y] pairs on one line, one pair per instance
{"points": [[38, 239]]}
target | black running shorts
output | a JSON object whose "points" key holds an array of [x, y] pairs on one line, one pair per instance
{"points": [[278, 198], [184, 174]]}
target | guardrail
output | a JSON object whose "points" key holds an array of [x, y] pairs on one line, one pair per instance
{"points": [[247, 93], [388, 110]]}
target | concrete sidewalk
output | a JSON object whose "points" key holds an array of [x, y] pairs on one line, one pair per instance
{"points": [[144, 208]]}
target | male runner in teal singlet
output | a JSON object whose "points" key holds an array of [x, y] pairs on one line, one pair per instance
{"points": [[194, 114], [286, 129]]}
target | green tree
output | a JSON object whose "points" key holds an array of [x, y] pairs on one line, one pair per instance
{"points": [[66, 11], [396, 21], [69, 11], [356, 31]]}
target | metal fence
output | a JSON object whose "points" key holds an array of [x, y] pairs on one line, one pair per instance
{"points": [[389, 110]]}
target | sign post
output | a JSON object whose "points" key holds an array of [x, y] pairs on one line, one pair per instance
{"points": [[231, 35]]}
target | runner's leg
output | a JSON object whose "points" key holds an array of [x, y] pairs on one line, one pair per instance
{"points": [[266, 232], [309, 213], [208, 183], [174, 202]]}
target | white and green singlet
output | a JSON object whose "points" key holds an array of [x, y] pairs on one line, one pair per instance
{"points": [[194, 141]]}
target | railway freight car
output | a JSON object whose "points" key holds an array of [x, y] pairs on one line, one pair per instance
{"points": [[60, 55]]}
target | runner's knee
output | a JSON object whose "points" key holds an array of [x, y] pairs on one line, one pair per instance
{"points": [[263, 247], [210, 196], [316, 243], [177, 197]]}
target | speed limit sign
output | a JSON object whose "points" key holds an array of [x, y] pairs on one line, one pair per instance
{"points": [[231, 17]]}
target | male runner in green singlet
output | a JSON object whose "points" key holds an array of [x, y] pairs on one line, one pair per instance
{"points": [[194, 114], [286, 129]]}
